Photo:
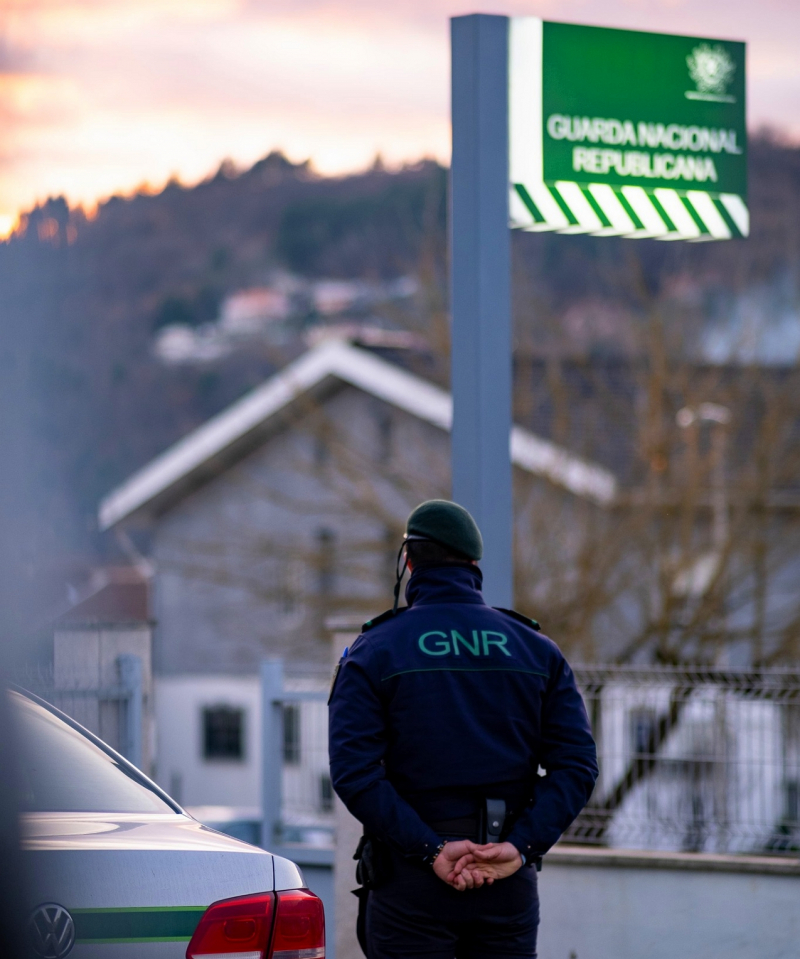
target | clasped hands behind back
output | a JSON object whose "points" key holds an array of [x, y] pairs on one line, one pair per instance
{"points": [[464, 864]]}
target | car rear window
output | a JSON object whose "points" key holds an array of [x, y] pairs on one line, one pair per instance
{"points": [[63, 771]]}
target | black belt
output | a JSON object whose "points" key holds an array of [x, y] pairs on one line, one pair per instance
{"points": [[493, 826], [468, 827], [488, 826]]}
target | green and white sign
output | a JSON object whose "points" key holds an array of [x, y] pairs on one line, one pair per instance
{"points": [[622, 133]]}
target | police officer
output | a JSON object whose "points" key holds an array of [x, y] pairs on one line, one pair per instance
{"points": [[443, 715]]}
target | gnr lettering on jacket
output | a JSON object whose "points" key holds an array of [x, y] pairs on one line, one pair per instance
{"points": [[480, 643]]}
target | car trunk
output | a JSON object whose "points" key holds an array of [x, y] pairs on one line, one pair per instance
{"points": [[137, 885]]}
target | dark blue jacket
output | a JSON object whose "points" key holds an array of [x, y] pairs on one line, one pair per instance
{"points": [[450, 702]]}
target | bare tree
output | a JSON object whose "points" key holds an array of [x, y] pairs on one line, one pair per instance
{"points": [[700, 551], [699, 555]]}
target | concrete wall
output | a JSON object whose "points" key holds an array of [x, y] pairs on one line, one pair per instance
{"points": [[625, 905], [348, 833], [599, 904]]}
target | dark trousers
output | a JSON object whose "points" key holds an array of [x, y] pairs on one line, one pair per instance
{"points": [[415, 914]]}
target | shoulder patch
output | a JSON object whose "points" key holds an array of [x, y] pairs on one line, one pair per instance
{"points": [[377, 620], [334, 677], [518, 616]]}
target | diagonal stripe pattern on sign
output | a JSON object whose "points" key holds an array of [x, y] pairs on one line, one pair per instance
{"points": [[629, 211]]}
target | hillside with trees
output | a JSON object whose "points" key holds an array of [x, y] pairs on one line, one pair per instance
{"points": [[83, 298]]}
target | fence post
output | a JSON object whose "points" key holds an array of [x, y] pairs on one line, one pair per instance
{"points": [[271, 750], [131, 680]]}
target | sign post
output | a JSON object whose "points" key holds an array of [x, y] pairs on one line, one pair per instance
{"points": [[480, 274], [574, 129]]}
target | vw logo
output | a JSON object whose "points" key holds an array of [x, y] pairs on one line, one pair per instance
{"points": [[51, 931]]}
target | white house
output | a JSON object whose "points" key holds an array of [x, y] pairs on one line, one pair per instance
{"points": [[284, 508]]}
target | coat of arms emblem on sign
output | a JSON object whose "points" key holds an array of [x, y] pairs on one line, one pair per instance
{"points": [[712, 69]]}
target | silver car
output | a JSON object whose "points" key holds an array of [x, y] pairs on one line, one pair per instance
{"points": [[120, 870]]}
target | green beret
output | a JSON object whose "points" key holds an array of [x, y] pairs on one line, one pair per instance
{"points": [[449, 525]]}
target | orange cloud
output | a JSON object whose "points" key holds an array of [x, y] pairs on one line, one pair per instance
{"points": [[97, 96]]}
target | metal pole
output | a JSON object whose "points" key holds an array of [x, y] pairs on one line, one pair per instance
{"points": [[271, 750], [481, 290], [131, 680], [719, 492]]}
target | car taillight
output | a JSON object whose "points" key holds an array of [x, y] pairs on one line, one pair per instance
{"points": [[242, 928], [234, 928], [299, 926]]}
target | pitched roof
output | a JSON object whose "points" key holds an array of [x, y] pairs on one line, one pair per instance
{"points": [[116, 596], [336, 360]]}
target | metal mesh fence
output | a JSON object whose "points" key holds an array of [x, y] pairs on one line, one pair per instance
{"points": [[111, 712], [693, 760], [307, 795]]}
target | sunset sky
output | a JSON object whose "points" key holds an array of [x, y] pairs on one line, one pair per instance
{"points": [[102, 96]]}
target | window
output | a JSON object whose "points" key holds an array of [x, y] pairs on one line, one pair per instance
{"points": [[793, 801], [325, 793], [383, 447], [326, 541], [223, 732], [643, 732], [321, 450], [392, 539], [289, 579], [176, 786], [291, 735], [62, 770]]}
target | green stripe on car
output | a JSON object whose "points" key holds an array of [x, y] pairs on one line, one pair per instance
{"points": [[143, 924]]}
